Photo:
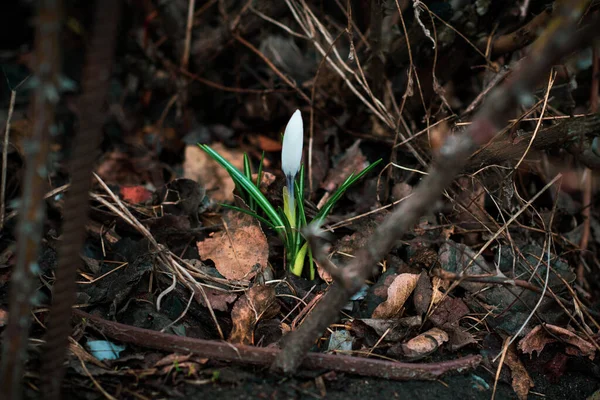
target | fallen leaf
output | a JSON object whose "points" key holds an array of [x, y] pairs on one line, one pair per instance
{"points": [[323, 274], [540, 336], [398, 293], [265, 143], [393, 329], [423, 294], [268, 332], [425, 343], [340, 341], [218, 299], [353, 161], [449, 312], [201, 168], [259, 302], [239, 250], [521, 381], [121, 168], [459, 338], [181, 197], [135, 194], [380, 289], [267, 179]]}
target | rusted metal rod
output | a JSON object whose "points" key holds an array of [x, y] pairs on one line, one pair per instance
{"points": [[24, 280], [95, 83]]}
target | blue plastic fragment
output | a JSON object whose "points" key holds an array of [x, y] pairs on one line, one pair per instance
{"points": [[104, 350]]}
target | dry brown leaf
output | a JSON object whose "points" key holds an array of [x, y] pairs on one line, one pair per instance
{"points": [[459, 338], [540, 336], [423, 291], [201, 168], [521, 381], [381, 288], [393, 329], [219, 300], [352, 161], [398, 293], [437, 284], [425, 343], [265, 143], [239, 250], [326, 276], [449, 312], [259, 302]]}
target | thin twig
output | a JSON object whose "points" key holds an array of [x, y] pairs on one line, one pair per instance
{"points": [[188, 35], [11, 108]]}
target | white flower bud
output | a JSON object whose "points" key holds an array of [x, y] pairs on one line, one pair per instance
{"points": [[291, 152]]}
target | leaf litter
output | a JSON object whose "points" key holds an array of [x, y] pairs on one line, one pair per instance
{"points": [[217, 273]]}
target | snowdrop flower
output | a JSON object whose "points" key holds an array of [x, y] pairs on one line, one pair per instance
{"points": [[291, 155]]}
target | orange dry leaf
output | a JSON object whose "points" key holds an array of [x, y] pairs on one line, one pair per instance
{"points": [[239, 250], [258, 303], [398, 293], [540, 336]]}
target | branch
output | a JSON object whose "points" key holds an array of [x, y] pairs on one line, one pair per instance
{"points": [[568, 133], [224, 351], [561, 39]]}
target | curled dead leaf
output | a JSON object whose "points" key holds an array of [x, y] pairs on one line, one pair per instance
{"points": [[258, 303], [425, 343], [521, 381], [540, 336], [398, 293]]}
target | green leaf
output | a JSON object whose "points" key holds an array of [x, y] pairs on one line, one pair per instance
{"points": [[328, 206], [260, 170], [249, 187], [298, 265], [248, 173], [311, 264]]}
